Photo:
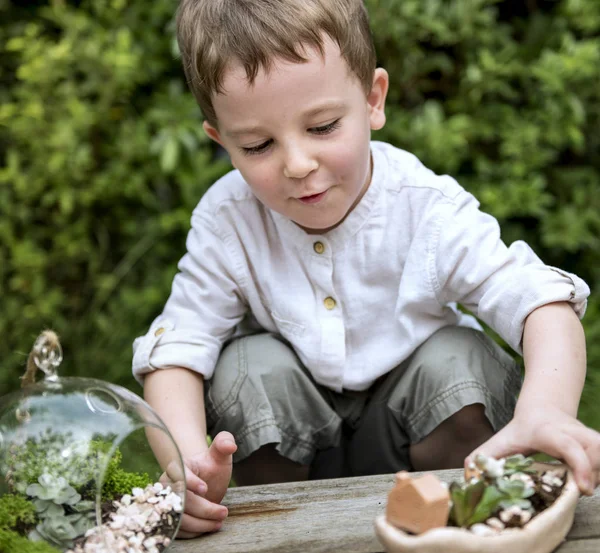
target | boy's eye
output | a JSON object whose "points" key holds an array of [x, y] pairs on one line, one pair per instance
{"points": [[326, 129], [257, 149]]}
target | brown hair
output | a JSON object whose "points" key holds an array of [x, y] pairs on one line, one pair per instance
{"points": [[211, 33]]}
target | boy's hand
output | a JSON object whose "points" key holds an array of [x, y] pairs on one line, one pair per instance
{"points": [[207, 478], [549, 430]]}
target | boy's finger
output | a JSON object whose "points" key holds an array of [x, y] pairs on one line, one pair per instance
{"points": [[192, 527], [573, 454], [590, 439], [201, 508], [193, 481]]}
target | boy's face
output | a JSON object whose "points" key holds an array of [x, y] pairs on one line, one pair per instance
{"points": [[300, 134]]}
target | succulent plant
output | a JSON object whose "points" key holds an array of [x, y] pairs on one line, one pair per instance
{"points": [[52, 492], [515, 493], [58, 531], [501, 484], [61, 529], [518, 463]]}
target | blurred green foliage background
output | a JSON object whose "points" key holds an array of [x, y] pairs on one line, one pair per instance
{"points": [[102, 155]]}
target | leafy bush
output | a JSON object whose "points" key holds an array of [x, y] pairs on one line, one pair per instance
{"points": [[103, 157], [11, 541]]}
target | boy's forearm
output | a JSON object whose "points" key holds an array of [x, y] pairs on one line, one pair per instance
{"points": [[555, 359], [177, 395]]}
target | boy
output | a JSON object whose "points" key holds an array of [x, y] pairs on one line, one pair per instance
{"points": [[313, 328]]}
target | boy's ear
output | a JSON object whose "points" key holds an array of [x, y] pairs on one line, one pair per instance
{"points": [[376, 98], [212, 133]]}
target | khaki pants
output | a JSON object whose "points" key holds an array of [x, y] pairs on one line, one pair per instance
{"points": [[261, 393]]}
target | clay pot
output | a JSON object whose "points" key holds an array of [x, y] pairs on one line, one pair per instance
{"points": [[541, 535]]}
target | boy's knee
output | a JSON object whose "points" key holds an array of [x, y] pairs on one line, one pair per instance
{"points": [[450, 442], [262, 394], [470, 424]]}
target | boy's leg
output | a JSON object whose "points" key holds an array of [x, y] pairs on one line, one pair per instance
{"points": [[261, 393], [430, 412]]}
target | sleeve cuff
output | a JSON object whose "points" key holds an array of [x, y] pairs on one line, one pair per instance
{"points": [[548, 285], [164, 346]]}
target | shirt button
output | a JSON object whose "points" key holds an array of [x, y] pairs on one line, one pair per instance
{"points": [[330, 303], [319, 247], [159, 331]]}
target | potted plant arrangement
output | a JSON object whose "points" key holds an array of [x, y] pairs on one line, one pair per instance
{"points": [[509, 504], [63, 485]]}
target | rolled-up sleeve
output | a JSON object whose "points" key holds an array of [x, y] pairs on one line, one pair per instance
{"points": [[204, 307], [470, 264]]}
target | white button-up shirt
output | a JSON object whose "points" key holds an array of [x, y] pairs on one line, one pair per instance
{"points": [[356, 301]]}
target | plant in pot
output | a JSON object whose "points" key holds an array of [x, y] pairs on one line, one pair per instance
{"points": [[510, 504]]}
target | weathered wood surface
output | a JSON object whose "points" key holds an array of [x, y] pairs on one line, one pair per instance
{"points": [[336, 516]]}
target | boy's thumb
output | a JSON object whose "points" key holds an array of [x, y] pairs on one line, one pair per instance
{"points": [[223, 447]]}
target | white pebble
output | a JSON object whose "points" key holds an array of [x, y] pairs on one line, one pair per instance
{"points": [[482, 530]]}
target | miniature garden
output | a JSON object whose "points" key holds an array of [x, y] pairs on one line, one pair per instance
{"points": [[45, 513], [76, 470], [529, 506], [503, 493]]}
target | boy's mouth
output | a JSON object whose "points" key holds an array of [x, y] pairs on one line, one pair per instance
{"points": [[314, 198]]}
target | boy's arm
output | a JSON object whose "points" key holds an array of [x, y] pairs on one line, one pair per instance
{"points": [[545, 416], [177, 395]]}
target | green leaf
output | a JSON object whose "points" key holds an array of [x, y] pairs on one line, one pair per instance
{"points": [[169, 155], [489, 503]]}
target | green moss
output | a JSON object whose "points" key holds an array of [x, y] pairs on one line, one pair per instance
{"points": [[119, 482], [16, 510], [11, 542]]}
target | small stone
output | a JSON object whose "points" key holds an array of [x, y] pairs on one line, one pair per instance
{"points": [[495, 523], [482, 530], [551, 478], [525, 478]]}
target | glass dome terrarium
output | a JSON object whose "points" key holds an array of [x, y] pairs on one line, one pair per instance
{"points": [[77, 473]]}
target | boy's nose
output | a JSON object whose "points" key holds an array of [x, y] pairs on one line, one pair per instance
{"points": [[298, 164]]}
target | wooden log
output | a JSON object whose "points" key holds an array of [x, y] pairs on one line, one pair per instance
{"points": [[335, 515], [578, 546]]}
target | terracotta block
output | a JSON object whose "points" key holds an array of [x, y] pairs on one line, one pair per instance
{"points": [[418, 504]]}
